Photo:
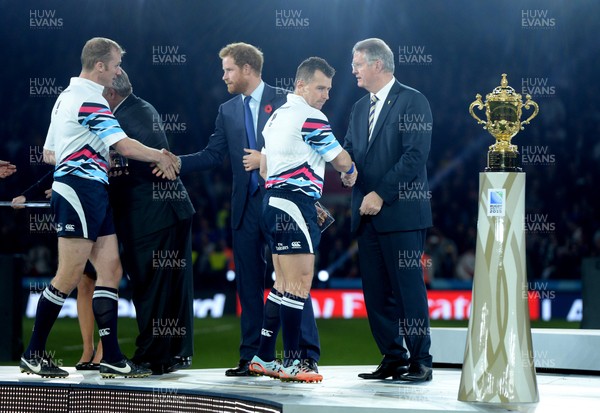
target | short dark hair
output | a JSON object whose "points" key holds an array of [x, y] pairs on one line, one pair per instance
{"points": [[244, 53], [307, 69]]}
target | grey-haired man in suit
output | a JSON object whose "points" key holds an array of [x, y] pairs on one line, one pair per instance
{"points": [[389, 137]]}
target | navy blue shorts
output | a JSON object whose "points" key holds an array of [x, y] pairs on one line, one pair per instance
{"points": [[289, 221], [90, 271], [81, 208]]}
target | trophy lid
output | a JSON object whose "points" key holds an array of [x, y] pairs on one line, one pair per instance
{"points": [[504, 93]]}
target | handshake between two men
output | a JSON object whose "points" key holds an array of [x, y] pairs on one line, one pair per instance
{"points": [[168, 167], [164, 163]]}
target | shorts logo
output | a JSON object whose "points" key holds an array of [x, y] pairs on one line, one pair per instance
{"points": [[281, 247], [70, 227], [266, 333], [296, 244], [104, 332]]}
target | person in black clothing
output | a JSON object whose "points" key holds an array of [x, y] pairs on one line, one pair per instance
{"points": [[153, 221]]}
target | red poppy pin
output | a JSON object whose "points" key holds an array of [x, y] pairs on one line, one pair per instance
{"points": [[268, 109]]}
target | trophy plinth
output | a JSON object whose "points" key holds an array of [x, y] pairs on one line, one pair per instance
{"points": [[498, 365], [503, 109]]}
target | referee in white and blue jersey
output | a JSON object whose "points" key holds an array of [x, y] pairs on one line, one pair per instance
{"points": [[298, 143], [82, 129]]}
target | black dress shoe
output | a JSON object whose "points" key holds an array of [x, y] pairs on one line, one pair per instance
{"points": [[241, 370], [178, 363], [157, 368], [417, 373], [386, 369]]}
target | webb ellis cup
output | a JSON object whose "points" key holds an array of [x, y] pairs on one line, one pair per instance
{"points": [[503, 111], [498, 364]]}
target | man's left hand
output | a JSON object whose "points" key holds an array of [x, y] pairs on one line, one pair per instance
{"points": [[251, 160], [371, 204]]}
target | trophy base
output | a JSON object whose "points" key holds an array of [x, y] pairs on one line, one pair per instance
{"points": [[503, 162]]}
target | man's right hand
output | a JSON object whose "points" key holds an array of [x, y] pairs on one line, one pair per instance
{"points": [[348, 180], [168, 165]]}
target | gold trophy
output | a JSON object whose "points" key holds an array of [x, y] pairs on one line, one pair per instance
{"points": [[503, 111]]}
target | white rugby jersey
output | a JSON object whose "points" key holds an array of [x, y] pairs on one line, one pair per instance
{"points": [[82, 129], [298, 143]]}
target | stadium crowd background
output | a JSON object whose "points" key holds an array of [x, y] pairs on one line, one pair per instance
{"points": [[172, 59]]}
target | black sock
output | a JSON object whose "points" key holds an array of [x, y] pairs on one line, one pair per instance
{"points": [[291, 317], [105, 304], [48, 307], [270, 327]]}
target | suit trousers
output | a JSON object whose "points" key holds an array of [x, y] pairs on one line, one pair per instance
{"points": [[249, 248], [395, 293], [160, 268]]}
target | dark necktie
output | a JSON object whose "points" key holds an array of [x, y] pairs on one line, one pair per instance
{"points": [[253, 182]]}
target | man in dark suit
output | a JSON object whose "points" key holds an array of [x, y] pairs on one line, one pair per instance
{"points": [[389, 137], [153, 222], [238, 130]]}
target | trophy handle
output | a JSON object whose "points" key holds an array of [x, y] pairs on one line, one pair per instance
{"points": [[477, 102], [526, 105]]}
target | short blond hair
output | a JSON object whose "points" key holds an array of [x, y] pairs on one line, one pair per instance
{"points": [[244, 53], [97, 50]]}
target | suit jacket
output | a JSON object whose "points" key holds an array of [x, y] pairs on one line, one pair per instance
{"points": [[230, 136], [143, 203], [393, 162]]}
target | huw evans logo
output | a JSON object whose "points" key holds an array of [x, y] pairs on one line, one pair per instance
{"points": [[537, 19], [44, 87], [413, 191], [413, 55], [539, 223], [168, 259], [413, 327], [291, 19], [44, 19], [36, 155], [413, 259], [163, 396], [168, 123], [285, 223], [168, 55], [537, 155], [167, 327], [168, 191], [285, 83], [537, 87], [414, 123], [42, 224]]}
